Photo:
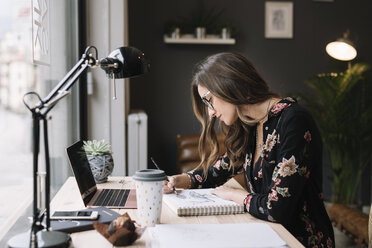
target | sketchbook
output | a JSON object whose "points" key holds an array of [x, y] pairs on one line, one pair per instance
{"points": [[195, 202]]}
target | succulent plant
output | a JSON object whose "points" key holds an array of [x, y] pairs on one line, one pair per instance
{"points": [[96, 148]]}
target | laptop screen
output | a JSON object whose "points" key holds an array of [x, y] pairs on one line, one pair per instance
{"points": [[81, 168]]}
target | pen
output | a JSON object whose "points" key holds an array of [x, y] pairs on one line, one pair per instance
{"points": [[156, 165]]}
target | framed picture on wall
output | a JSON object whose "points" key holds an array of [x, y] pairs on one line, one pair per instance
{"points": [[279, 20]]}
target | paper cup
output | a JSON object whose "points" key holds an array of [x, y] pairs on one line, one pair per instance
{"points": [[149, 192]]}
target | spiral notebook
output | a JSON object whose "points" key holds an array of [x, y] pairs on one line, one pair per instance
{"points": [[195, 202]]}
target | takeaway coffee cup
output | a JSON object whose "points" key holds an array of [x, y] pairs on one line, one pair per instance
{"points": [[149, 192]]}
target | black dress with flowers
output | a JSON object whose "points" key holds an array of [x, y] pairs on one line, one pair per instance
{"points": [[285, 184]]}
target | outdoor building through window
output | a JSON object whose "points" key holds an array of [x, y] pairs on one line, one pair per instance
{"points": [[17, 76], [23, 70]]}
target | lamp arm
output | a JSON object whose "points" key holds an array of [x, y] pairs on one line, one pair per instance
{"points": [[62, 82], [59, 94], [86, 60]]}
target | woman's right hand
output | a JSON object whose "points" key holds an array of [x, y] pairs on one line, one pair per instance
{"points": [[169, 185]]}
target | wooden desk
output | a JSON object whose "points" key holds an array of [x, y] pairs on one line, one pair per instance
{"points": [[68, 198]]}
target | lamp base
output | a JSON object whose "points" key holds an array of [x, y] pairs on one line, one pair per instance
{"points": [[45, 239]]}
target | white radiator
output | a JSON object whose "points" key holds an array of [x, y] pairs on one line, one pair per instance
{"points": [[137, 142]]}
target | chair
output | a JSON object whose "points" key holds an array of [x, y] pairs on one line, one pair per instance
{"points": [[188, 155], [350, 221], [370, 228]]}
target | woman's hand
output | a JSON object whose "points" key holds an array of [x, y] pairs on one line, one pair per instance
{"points": [[231, 194], [169, 185], [177, 181]]}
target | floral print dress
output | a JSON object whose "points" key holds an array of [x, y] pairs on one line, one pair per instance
{"points": [[285, 184]]}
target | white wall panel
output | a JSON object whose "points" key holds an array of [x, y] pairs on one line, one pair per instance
{"points": [[106, 117]]}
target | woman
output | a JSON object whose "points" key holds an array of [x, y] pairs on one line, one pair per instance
{"points": [[273, 141]]}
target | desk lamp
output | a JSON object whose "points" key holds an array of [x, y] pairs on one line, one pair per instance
{"points": [[124, 62], [342, 49]]}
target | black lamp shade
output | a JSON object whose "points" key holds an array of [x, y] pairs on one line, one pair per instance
{"points": [[130, 62]]}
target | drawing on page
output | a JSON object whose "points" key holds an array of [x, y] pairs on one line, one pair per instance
{"points": [[195, 197]]}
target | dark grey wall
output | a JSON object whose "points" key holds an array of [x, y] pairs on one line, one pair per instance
{"points": [[164, 93]]}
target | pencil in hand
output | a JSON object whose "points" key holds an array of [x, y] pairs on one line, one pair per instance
{"points": [[156, 165], [174, 189]]}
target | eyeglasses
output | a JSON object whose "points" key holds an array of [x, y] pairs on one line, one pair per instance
{"points": [[206, 101]]}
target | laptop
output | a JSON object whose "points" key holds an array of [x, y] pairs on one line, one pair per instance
{"points": [[93, 197]]}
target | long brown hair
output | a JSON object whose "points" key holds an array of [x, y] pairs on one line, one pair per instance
{"points": [[232, 78]]}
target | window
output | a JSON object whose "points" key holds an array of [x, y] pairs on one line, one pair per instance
{"points": [[18, 75]]}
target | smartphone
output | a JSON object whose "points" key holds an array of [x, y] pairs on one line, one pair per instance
{"points": [[74, 215]]}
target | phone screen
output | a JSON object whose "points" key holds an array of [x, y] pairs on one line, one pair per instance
{"points": [[75, 215], [84, 213], [71, 213]]}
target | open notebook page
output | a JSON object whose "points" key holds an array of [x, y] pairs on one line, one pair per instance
{"points": [[214, 235]]}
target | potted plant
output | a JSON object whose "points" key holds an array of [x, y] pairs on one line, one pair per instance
{"points": [[100, 159], [202, 20], [341, 106], [172, 29]]}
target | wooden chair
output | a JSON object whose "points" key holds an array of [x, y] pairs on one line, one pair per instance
{"points": [[370, 228], [350, 221], [188, 155]]}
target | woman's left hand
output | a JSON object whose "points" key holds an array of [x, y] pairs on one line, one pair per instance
{"points": [[231, 194]]}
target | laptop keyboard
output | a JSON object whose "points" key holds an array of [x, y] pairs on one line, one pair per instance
{"points": [[112, 197]]}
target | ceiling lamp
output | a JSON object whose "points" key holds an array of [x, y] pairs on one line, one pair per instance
{"points": [[342, 49]]}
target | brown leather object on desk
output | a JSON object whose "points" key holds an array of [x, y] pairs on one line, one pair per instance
{"points": [[188, 155]]}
